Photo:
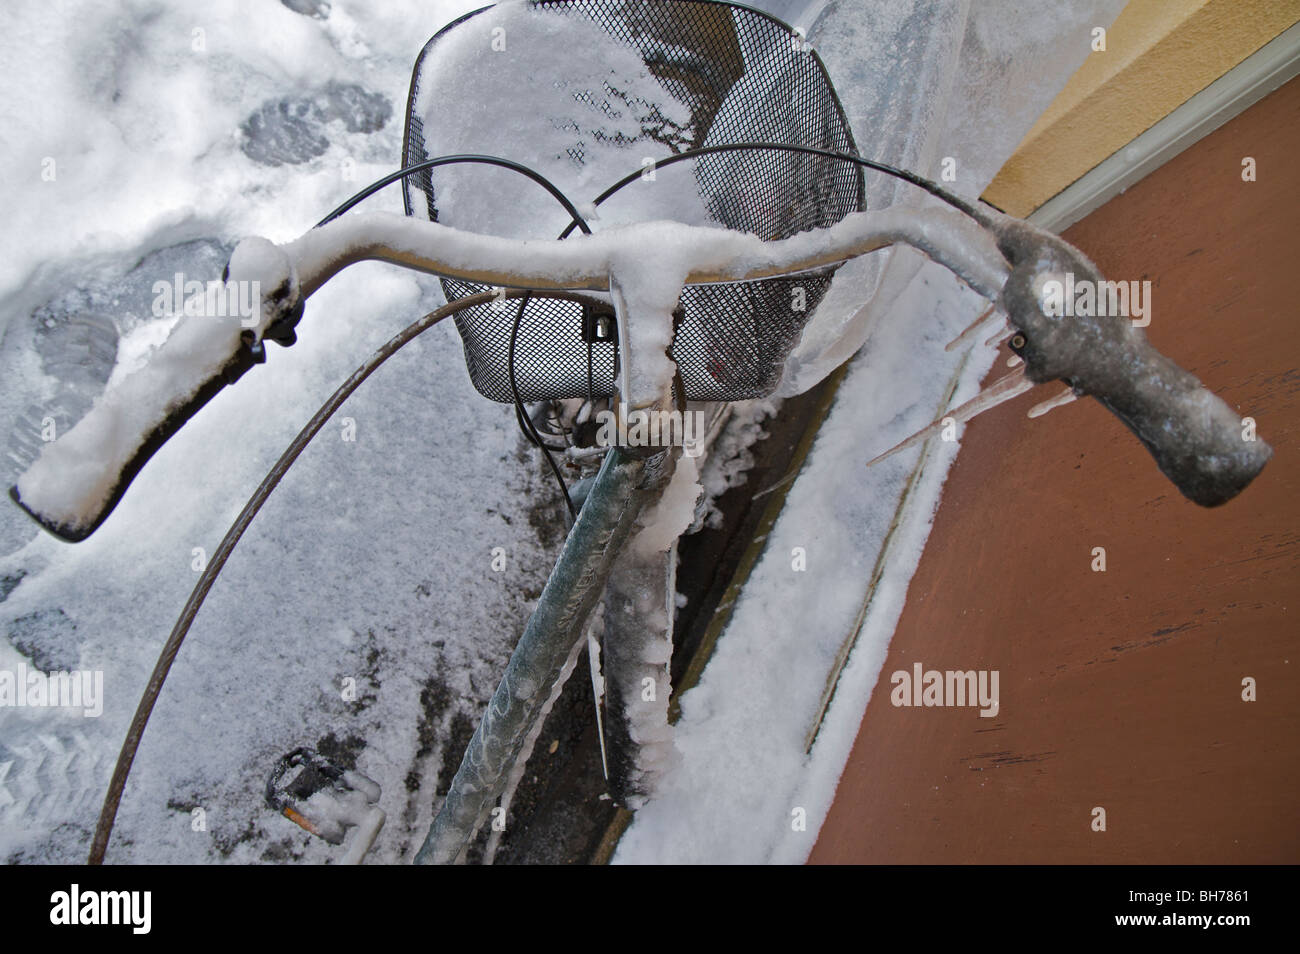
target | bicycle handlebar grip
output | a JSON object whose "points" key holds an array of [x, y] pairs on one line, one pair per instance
{"points": [[1201, 444], [77, 480]]}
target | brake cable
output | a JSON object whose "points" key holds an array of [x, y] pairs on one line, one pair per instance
{"points": [[958, 203], [521, 416]]}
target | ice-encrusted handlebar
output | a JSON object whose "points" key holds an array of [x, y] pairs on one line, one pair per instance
{"points": [[701, 255], [75, 483]]}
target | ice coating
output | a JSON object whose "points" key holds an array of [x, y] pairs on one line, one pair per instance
{"points": [[1197, 440], [640, 605], [673, 513], [530, 741]]}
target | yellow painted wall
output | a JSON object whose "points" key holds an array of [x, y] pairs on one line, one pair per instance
{"points": [[1159, 53]]}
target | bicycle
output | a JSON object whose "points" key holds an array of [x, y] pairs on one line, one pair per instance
{"points": [[597, 321]]}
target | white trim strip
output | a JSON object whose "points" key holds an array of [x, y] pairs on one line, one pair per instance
{"points": [[1231, 94]]}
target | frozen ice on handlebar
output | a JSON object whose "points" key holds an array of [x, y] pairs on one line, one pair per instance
{"points": [[648, 262], [71, 482], [76, 480]]}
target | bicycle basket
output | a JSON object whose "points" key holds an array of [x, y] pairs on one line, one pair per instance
{"points": [[592, 90]]}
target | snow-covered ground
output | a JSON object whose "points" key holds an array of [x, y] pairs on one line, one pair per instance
{"points": [[144, 139]]}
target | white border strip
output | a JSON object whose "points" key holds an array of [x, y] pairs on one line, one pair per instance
{"points": [[1232, 93]]}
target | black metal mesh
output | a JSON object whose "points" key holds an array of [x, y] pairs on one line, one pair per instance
{"points": [[732, 340]]}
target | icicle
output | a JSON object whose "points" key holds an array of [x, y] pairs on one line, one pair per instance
{"points": [[1001, 336], [1065, 397], [1004, 389], [972, 329], [598, 691]]}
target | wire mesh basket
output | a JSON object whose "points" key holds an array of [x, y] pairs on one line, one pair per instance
{"points": [[718, 73]]}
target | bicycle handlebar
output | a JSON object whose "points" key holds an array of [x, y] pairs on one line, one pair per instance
{"points": [[77, 480], [1194, 436], [1204, 447], [711, 255]]}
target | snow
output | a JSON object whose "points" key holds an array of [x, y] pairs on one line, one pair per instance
{"points": [[648, 269], [673, 513], [73, 477], [659, 250]]}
